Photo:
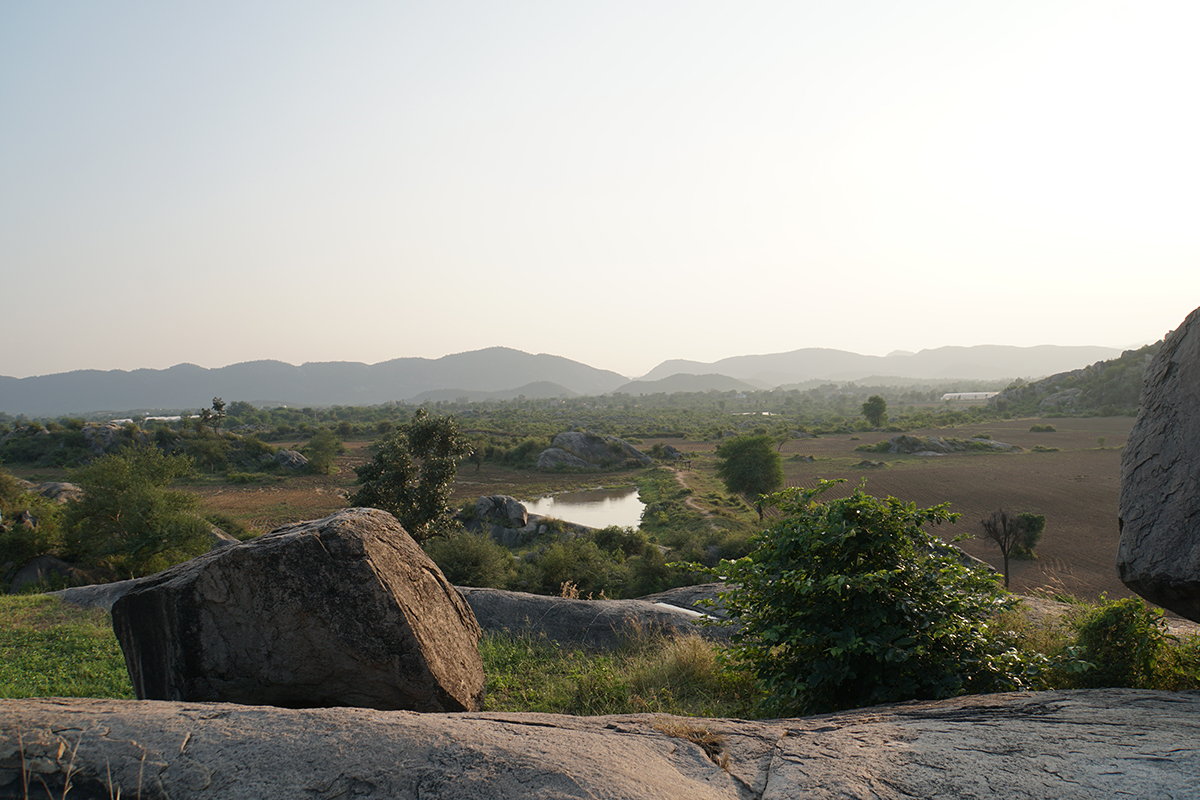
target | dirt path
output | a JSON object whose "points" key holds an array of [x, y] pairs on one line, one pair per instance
{"points": [[690, 501]]}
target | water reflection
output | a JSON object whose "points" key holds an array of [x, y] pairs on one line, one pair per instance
{"points": [[596, 508]]}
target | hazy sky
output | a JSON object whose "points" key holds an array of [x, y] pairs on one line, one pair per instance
{"points": [[615, 182]]}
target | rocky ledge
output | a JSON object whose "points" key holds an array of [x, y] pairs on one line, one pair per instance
{"points": [[1098, 743]]}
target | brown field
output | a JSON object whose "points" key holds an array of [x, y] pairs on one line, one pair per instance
{"points": [[1076, 489]]}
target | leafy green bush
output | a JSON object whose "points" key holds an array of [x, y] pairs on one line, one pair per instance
{"points": [[1123, 641], [851, 603], [1042, 429], [128, 520], [472, 559]]}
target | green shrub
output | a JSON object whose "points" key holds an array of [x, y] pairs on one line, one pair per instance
{"points": [[1123, 641], [128, 519], [851, 603], [1042, 429], [472, 559]]}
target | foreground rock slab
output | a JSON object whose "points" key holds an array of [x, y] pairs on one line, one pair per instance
{"points": [[341, 611], [1159, 553], [1097, 743]]}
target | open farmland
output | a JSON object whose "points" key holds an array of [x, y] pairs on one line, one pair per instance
{"points": [[1076, 488]]}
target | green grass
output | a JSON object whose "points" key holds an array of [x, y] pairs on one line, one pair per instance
{"points": [[51, 649], [682, 677]]}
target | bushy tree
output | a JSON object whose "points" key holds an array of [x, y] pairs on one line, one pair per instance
{"points": [[128, 519], [411, 473], [750, 466], [875, 410], [850, 603], [1032, 525], [322, 451]]}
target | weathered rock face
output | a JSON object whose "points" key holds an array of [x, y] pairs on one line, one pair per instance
{"points": [[59, 492], [503, 509], [1159, 553], [291, 459], [1027, 746], [104, 436], [342, 611], [590, 450], [593, 624]]}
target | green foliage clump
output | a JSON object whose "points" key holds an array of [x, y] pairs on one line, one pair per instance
{"points": [[1042, 429], [1031, 526], [19, 542], [472, 559], [322, 451], [411, 473], [128, 520], [750, 466], [875, 410], [851, 603], [1123, 641]]}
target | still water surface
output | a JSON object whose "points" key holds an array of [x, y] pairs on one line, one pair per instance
{"points": [[596, 508]]}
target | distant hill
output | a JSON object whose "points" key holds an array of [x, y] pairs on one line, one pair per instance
{"points": [[495, 369], [1106, 388], [687, 383], [983, 362], [538, 390]]}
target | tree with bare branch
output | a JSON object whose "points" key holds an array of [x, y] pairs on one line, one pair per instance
{"points": [[1006, 532]]}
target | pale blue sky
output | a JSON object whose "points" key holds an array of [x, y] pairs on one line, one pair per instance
{"points": [[617, 182]]}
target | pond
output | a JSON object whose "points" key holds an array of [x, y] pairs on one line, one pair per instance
{"points": [[596, 508]]}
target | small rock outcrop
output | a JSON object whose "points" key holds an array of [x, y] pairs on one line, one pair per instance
{"points": [[341, 611], [105, 436], [291, 459], [507, 511], [590, 451], [937, 445], [1101, 743], [58, 491], [591, 624], [1159, 553]]}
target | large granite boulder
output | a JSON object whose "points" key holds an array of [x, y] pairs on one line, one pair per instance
{"points": [[341, 611], [1101, 744], [591, 450], [1159, 553]]}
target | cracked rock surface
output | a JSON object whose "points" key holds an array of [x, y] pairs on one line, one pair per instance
{"points": [[1096, 743], [1159, 553]]}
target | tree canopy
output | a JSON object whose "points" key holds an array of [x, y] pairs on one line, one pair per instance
{"points": [[875, 410], [411, 473], [750, 466], [128, 519]]}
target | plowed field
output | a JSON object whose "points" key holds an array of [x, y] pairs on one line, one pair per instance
{"points": [[1076, 488]]}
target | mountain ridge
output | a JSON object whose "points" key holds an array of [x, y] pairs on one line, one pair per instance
{"points": [[499, 372]]}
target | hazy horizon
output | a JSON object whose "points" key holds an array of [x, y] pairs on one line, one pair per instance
{"points": [[618, 184], [630, 376]]}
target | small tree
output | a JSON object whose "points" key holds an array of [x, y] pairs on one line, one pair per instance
{"points": [[750, 466], [128, 520], [322, 451], [875, 410], [1006, 533], [1031, 525], [218, 414], [850, 602], [411, 473]]}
